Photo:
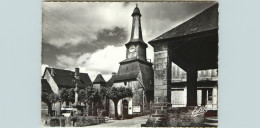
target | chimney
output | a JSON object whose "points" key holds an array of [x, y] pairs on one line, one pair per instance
{"points": [[77, 73], [52, 72]]}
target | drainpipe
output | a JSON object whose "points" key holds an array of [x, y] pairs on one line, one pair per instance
{"points": [[143, 91]]}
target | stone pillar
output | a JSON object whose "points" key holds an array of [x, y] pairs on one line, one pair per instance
{"points": [[162, 71], [76, 97], [58, 109], [192, 87], [76, 90]]}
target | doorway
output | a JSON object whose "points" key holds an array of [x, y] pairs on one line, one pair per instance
{"points": [[125, 109]]}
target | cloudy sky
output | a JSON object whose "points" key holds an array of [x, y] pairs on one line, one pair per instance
{"points": [[91, 35]]}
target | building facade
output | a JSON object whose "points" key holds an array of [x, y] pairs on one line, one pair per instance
{"points": [[186, 62], [56, 79]]}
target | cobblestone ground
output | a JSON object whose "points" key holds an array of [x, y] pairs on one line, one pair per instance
{"points": [[134, 122]]}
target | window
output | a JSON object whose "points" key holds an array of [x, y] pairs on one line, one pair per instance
{"points": [[177, 97]]}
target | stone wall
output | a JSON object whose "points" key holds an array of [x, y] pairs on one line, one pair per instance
{"points": [[177, 117], [161, 83]]}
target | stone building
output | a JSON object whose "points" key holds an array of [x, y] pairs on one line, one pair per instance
{"points": [[135, 72], [57, 79], [186, 62]]}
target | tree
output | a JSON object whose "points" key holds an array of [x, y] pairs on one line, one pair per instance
{"points": [[115, 94], [82, 96], [63, 94], [71, 95], [105, 100], [49, 99]]}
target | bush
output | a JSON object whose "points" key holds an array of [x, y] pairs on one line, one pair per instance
{"points": [[80, 121]]}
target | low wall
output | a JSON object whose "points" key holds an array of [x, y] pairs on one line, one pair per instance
{"points": [[75, 121], [178, 117], [186, 116]]}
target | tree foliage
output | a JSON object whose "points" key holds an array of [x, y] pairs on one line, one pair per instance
{"points": [[103, 93], [63, 94], [119, 93], [94, 95], [67, 95], [82, 95], [49, 99], [71, 95]]}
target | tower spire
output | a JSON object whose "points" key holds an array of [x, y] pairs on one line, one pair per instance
{"points": [[136, 34]]}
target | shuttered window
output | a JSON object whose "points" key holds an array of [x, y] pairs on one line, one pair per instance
{"points": [[177, 97]]}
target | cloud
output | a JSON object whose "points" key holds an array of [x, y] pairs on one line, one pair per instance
{"points": [[65, 61], [80, 22], [104, 61], [91, 35]]}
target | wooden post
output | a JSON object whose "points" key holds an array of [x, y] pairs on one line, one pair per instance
{"points": [[192, 87], [204, 97]]}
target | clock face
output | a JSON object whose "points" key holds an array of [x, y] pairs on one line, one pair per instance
{"points": [[131, 48]]}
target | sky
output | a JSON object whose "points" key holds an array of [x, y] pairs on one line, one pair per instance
{"points": [[92, 35]]}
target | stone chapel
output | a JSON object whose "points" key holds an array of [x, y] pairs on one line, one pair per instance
{"points": [[135, 72]]}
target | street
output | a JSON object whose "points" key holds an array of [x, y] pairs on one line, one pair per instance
{"points": [[134, 122]]}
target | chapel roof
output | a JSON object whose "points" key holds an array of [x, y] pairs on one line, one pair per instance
{"points": [[132, 71], [66, 78], [99, 79]]}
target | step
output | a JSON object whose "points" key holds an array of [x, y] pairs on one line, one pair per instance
{"points": [[206, 124], [158, 115], [211, 119]]}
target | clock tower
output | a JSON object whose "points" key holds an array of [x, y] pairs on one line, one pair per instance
{"points": [[136, 48], [135, 71]]}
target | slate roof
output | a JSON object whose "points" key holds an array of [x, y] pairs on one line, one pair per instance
{"points": [[46, 86], [204, 21], [135, 59], [130, 71], [99, 79], [66, 78], [111, 81]]}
